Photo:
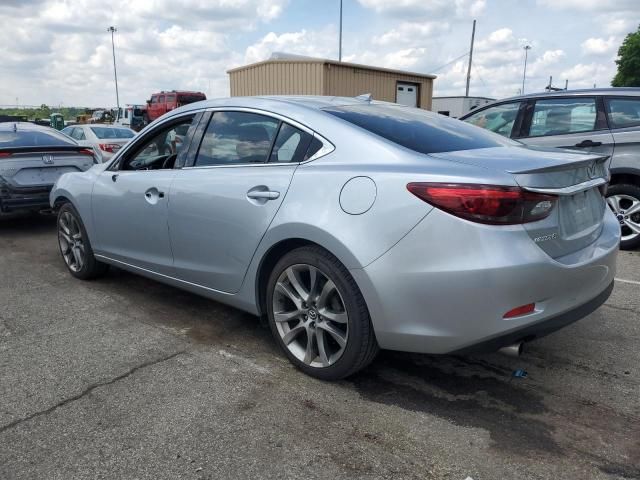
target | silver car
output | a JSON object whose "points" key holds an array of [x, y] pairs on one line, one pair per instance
{"points": [[352, 225], [105, 140], [601, 121]]}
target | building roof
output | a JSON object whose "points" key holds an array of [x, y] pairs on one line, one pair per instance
{"points": [[326, 61]]}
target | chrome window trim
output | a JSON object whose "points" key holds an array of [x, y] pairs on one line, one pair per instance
{"points": [[327, 146], [573, 189]]}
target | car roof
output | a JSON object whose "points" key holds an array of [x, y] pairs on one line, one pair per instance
{"points": [[611, 91], [11, 126]]}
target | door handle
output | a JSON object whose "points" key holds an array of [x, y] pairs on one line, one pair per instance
{"points": [[263, 194], [588, 143]]}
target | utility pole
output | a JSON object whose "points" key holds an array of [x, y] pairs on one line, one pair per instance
{"points": [[113, 30], [524, 73], [340, 35], [473, 35]]}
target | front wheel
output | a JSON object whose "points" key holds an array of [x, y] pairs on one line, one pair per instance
{"points": [[318, 315], [624, 201], [75, 247]]}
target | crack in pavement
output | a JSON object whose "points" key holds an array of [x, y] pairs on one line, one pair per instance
{"points": [[89, 389]]}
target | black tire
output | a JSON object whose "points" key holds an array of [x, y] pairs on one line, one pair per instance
{"points": [[361, 345], [90, 267], [632, 191]]}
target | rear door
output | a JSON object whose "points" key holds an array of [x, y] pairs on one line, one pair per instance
{"points": [[624, 121], [223, 202], [578, 123]]}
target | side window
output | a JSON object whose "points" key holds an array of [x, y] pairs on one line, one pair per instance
{"points": [[171, 98], [291, 145], [499, 119], [161, 99], [160, 150], [557, 116], [623, 112], [78, 134], [237, 138], [154, 99]]}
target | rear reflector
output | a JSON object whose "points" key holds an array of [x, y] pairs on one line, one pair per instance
{"points": [[521, 310], [490, 204]]}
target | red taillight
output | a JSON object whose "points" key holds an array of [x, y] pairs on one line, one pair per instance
{"points": [[4, 154], [491, 204], [521, 310], [86, 151], [108, 147]]}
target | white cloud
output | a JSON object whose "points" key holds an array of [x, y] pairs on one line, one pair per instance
{"points": [[421, 8], [411, 33], [305, 42], [599, 46]]}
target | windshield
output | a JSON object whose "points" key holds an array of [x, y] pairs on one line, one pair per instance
{"points": [[418, 130], [106, 132]]}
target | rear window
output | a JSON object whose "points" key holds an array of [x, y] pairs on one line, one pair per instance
{"points": [[103, 132], [418, 130], [33, 138], [184, 99]]}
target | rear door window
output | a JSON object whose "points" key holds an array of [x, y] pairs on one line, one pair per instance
{"points": [[499, 119], [560, 116], [418, 130], [623, 112], [291, 145], [78, 134], [237, 138]]}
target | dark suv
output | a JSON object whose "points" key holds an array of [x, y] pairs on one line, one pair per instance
{"points": [[598, 120]]}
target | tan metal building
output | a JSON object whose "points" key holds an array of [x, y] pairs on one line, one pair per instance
{"points": [[318, 76]]}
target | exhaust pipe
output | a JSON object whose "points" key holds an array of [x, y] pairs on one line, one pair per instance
{"points": [[514, 350]]}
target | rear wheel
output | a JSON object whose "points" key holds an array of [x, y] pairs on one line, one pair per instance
{"points": [[318, 315], [624, 200], [75, 247]]}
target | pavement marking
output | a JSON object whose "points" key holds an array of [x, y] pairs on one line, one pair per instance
{"points": [[622, 280]]}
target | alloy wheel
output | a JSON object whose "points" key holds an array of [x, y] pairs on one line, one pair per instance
{"points": [[310, 315], [71, 242], [627, 210]]}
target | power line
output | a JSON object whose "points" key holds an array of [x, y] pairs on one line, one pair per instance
{"points": [[433, 70]]}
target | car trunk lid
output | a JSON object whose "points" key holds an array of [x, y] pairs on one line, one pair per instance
{"points": [[40, 166], [576, 179]]}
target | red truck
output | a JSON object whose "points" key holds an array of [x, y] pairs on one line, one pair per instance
{"points": [[163, 102]]}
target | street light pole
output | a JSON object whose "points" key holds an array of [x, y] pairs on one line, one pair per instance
{"points": [[524, 73], [340, 35], [113, 29]]}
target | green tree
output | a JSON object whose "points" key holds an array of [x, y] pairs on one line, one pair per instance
{"points": [[628, 62]]}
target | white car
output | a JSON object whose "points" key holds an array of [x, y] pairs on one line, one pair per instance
{"points": [[104, 139]]}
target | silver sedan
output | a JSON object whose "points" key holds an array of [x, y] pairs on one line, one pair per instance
{"points": [[352, 225]]}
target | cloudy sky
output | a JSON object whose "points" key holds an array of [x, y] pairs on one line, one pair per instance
{"points": [[59, 51]]}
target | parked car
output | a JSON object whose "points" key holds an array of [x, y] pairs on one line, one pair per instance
{"points": [[602, 121], [105, 140], [32, 158], [352, 225], [163, 102]]}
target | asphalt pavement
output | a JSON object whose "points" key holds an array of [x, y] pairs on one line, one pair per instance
{"points": [[126, 378]]}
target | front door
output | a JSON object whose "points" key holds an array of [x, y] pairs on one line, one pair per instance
{"points": [[577, 123], [130, 200], [222, 205]]}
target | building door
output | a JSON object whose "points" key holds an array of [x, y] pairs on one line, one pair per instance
{"points": [[407, 94]]}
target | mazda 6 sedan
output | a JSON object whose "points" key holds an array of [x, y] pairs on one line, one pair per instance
{"points": [[352, 225]]}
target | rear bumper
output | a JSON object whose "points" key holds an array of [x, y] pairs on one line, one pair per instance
{"points": [[446, 285], [20, 199]]}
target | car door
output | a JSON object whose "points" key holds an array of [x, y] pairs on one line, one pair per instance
{"points": [[503, 119], [222, 204], [578, 123], [130, 198], [624, 120]]}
